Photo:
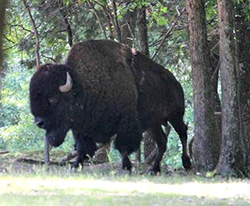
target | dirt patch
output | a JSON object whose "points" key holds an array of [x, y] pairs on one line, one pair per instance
{"points": [[33, 161]]}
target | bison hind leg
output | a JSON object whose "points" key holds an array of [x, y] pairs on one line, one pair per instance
{"points": [[160, 138], [181, 128]]}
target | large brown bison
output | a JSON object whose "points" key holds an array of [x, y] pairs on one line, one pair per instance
{"points": [[105, 88]]}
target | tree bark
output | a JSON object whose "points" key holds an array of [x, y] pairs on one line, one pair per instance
{"points": [[97, 18], [32, 21], [2, 15], [149, 143], [234, 157], [143, 31], [206, 144], [38, 62], [116, 24], [128, 24], [63, 12], [243, 53]]}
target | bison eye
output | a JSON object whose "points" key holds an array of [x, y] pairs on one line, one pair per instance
{"points": [[53, 100]]}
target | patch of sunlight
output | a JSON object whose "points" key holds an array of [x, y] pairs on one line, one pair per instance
{"points": [[81, 186]]}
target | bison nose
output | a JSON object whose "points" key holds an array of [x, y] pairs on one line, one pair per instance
{"points": [[39, 122]]}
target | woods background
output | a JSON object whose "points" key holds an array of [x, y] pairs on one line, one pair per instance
{"points": [[204, 43]]}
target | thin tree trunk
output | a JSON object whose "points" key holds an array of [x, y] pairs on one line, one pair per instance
{"points": [[38, 62], [109, 22], [32, 21], [149, 143], [66, 21], [98, 18], [206, 144], [128, 28], [143, 31], [2, 15], [115, 20], [168, 33]]}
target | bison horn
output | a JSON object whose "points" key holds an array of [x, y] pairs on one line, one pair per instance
{"points": [[68, 85]]}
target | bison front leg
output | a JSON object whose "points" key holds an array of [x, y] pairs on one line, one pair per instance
{"points": [[126, 164], [128, 139], [84, 146]]}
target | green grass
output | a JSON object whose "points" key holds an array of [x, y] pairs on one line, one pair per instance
{"points": [[109, 189], [23, 184]]}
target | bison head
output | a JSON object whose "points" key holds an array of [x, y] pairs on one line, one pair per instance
{"points": [[50, 99]]}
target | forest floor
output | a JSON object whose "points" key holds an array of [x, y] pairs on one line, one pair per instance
{"points": [[28, 183]]}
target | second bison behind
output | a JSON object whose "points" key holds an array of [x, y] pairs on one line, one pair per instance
{"points": [[105, 88]]}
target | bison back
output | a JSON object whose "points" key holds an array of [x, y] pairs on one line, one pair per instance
{"points": [[160, 94], [108, 82]]}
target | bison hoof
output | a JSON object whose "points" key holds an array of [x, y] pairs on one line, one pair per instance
{"points": [[123, 172], [76, 165], [186, 162], [73, 170], [127, 167], [154, 171], [126, 164]]}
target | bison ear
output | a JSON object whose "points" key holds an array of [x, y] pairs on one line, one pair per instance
{"points": [[68, 85]]}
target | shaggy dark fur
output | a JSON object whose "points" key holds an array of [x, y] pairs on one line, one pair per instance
{"points": [[115, 91], [161, 100], [101, 103]]}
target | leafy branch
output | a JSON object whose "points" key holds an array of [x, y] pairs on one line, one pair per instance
{"points": [[37, 46], [168, 33]]}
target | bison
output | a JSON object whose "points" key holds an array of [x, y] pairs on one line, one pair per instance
{"points": [[160, 100], [105, 88]]}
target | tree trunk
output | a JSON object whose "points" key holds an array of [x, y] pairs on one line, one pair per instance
{"points": [[143, 31], [33, 23], [243, 51], [128, 27], [2, 14], [38, 62], [206, 144], [235, 148], [149, 143]]}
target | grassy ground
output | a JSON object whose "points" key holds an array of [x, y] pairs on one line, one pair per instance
{"points": [[26, 184]]}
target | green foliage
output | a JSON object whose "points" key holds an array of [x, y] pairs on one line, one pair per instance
{"points": [[158, 15], [15, 116], [246, 11], [17, 131], [66, 2], [182, 71]]}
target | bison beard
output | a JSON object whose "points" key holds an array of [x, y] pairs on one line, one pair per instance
{"points": [[114, 90], [56, 137]]}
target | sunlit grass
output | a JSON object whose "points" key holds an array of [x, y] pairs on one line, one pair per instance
{"points": [[24, 184], [97, 189]]}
